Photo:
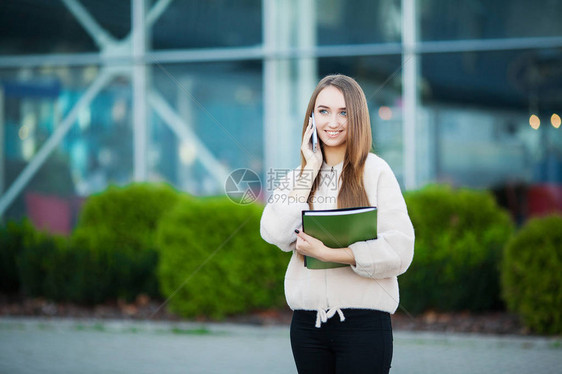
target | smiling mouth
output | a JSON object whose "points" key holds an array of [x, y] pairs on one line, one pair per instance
{"points": [[333, 133]]}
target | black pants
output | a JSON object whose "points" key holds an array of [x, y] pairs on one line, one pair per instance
{"points": [[360, 344]]}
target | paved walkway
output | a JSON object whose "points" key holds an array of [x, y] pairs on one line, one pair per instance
{"points": [[89, 346]]}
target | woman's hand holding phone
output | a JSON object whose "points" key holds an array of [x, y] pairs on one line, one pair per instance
{"points": [[314, 134], [313, 163], [313, 159]]}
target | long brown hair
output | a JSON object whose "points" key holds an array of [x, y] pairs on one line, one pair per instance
{"points": [[358, 144]]}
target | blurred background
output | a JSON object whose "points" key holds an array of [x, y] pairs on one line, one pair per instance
{"points": [[92, 93], [122, 124]]}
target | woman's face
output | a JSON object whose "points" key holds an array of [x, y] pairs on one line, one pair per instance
{"points": [[330, 115]]}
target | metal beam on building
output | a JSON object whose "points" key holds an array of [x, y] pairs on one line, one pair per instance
{"points": [[140, 86], [257, 53], [409, 91], [101, 37], [269, 23], [2, 145], [156, 11], [186, 135]]}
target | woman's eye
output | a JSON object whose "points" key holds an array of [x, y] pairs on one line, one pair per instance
{"points": [[343, 113], [323, 111]]}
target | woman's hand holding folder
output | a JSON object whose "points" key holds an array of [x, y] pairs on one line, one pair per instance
{"points": [[309, 246]]}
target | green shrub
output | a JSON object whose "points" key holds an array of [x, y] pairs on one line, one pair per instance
{"points": [[213, 261], [48, 266], [12, 237], [118, 226], [532, 276], [459, 238], [38, 262], [79, 277]]}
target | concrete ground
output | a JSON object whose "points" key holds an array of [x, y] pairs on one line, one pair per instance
{"points": [[38, 345]]}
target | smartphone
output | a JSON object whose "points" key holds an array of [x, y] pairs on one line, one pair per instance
{"points": [[314, 134]]}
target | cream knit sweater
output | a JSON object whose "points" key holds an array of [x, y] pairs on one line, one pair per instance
{"points": [[370, 284]]}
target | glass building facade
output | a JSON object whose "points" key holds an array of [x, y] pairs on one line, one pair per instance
{"points": [[95, 92]]}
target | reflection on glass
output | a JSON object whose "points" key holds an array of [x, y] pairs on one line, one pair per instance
{"points": [[555, 120], [367, 21], [385, 113], [208, 24], [96, 151], [535, 122], [188, 153], [40, 27], [483, 115], [474, 19]]}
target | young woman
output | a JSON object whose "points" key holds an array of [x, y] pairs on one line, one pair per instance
{"points": [[342, 173]]}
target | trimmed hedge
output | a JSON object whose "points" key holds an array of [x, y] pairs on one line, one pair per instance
{"points": [[49, 267], [532, 276], [118, 227], [37, 264], [213, 261], [12, 237], [459, 239]]}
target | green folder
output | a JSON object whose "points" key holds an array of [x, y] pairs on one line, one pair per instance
{"points": [[338, 228]]}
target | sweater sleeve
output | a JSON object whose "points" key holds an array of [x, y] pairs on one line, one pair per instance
{"points": [[392, 252], [281, 215]]}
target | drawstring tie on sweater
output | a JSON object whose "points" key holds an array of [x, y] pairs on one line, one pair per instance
{"points": [[322, 315]]}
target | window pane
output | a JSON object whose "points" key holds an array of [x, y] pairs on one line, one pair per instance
{"points": [[477, 109], [208, 24], [221, 105], [36, 26], [364, 21], [477, 19], [96, 151]]}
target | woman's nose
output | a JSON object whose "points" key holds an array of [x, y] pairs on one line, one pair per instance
{"points": [[333, 123]]}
